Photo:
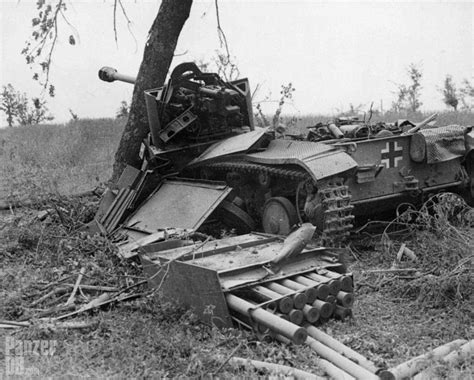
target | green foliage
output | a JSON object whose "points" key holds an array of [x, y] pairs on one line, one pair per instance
{"points": [[450, 94], [74, 116], [278, 123], [32, 112], [222, 64], [226, 66], [18, 107], [440, 235], [9, 103], [408, 96], [286, 94], [123, 110], [466, 93], [39, 49]]}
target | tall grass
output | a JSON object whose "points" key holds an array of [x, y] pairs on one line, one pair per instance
{"points": [[65, 159]]}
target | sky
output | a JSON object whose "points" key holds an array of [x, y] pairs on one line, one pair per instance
{"points": [[334, 53]]}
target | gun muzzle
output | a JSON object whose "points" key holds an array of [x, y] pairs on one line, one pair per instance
{"points": [[109, 74]]}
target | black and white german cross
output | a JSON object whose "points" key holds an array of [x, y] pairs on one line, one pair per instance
{"points": [[392, 154]]}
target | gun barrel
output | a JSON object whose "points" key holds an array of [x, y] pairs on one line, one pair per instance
{"points": [[421, 125], [109, 74]]}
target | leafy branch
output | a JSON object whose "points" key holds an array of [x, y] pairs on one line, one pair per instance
{"points": [[40, 48]]}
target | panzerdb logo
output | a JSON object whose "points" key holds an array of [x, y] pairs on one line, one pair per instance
{"points": [[17, 350]]}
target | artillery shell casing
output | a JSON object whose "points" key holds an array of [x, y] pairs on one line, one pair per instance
{"points": [[306, 281], [295, 333], [322, 289], [299, 300], [296, 316], [311, 293], [336, 132], [256, 298], [334, 285], [325, 308], [346, 281], [285, 304], [311, 313], [332, 300], [342, 312], [345, 299]]}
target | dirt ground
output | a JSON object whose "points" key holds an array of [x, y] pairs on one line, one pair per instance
{"points": [[395, 318]]}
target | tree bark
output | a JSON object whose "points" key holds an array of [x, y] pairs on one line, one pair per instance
{"points": [[157, 57]]}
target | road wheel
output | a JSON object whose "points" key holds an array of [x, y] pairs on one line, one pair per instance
{"points": [[279, 216]]}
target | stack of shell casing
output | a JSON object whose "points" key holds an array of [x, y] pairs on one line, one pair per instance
{"points": [[306, 298]]}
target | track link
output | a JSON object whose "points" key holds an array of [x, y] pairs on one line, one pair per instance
{"points": [[338, 218], [335, 196], [252, 168]]}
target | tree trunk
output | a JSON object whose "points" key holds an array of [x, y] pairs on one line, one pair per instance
{"points": [[157, 57]]}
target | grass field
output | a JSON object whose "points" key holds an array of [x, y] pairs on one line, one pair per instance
{"points": [[57, 159], [394, 320]]}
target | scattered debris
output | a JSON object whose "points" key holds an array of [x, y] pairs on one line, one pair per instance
{"points": [[415, 365], [277, 369], [49, 324], [465, 354], [76, 286]]}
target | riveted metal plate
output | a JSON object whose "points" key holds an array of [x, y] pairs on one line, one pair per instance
{"points": [[234, 144], [320, 160], [179, 203]]}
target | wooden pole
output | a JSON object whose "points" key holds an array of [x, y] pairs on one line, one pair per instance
{"points": [[452, 359], [333, 371], [340, 361], [341, 348], [76, 286], [295, 333], [413, 366], [276, 368]]}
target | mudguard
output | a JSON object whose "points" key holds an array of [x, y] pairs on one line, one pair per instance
{"points": [[231, 145], [319, 160]]}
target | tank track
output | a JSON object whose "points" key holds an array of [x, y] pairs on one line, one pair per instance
{"points": [[338, 218], [335, 197], [252, 168]]}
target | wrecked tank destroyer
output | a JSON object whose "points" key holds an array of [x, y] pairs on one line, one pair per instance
{"points": [[201, 127]]}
